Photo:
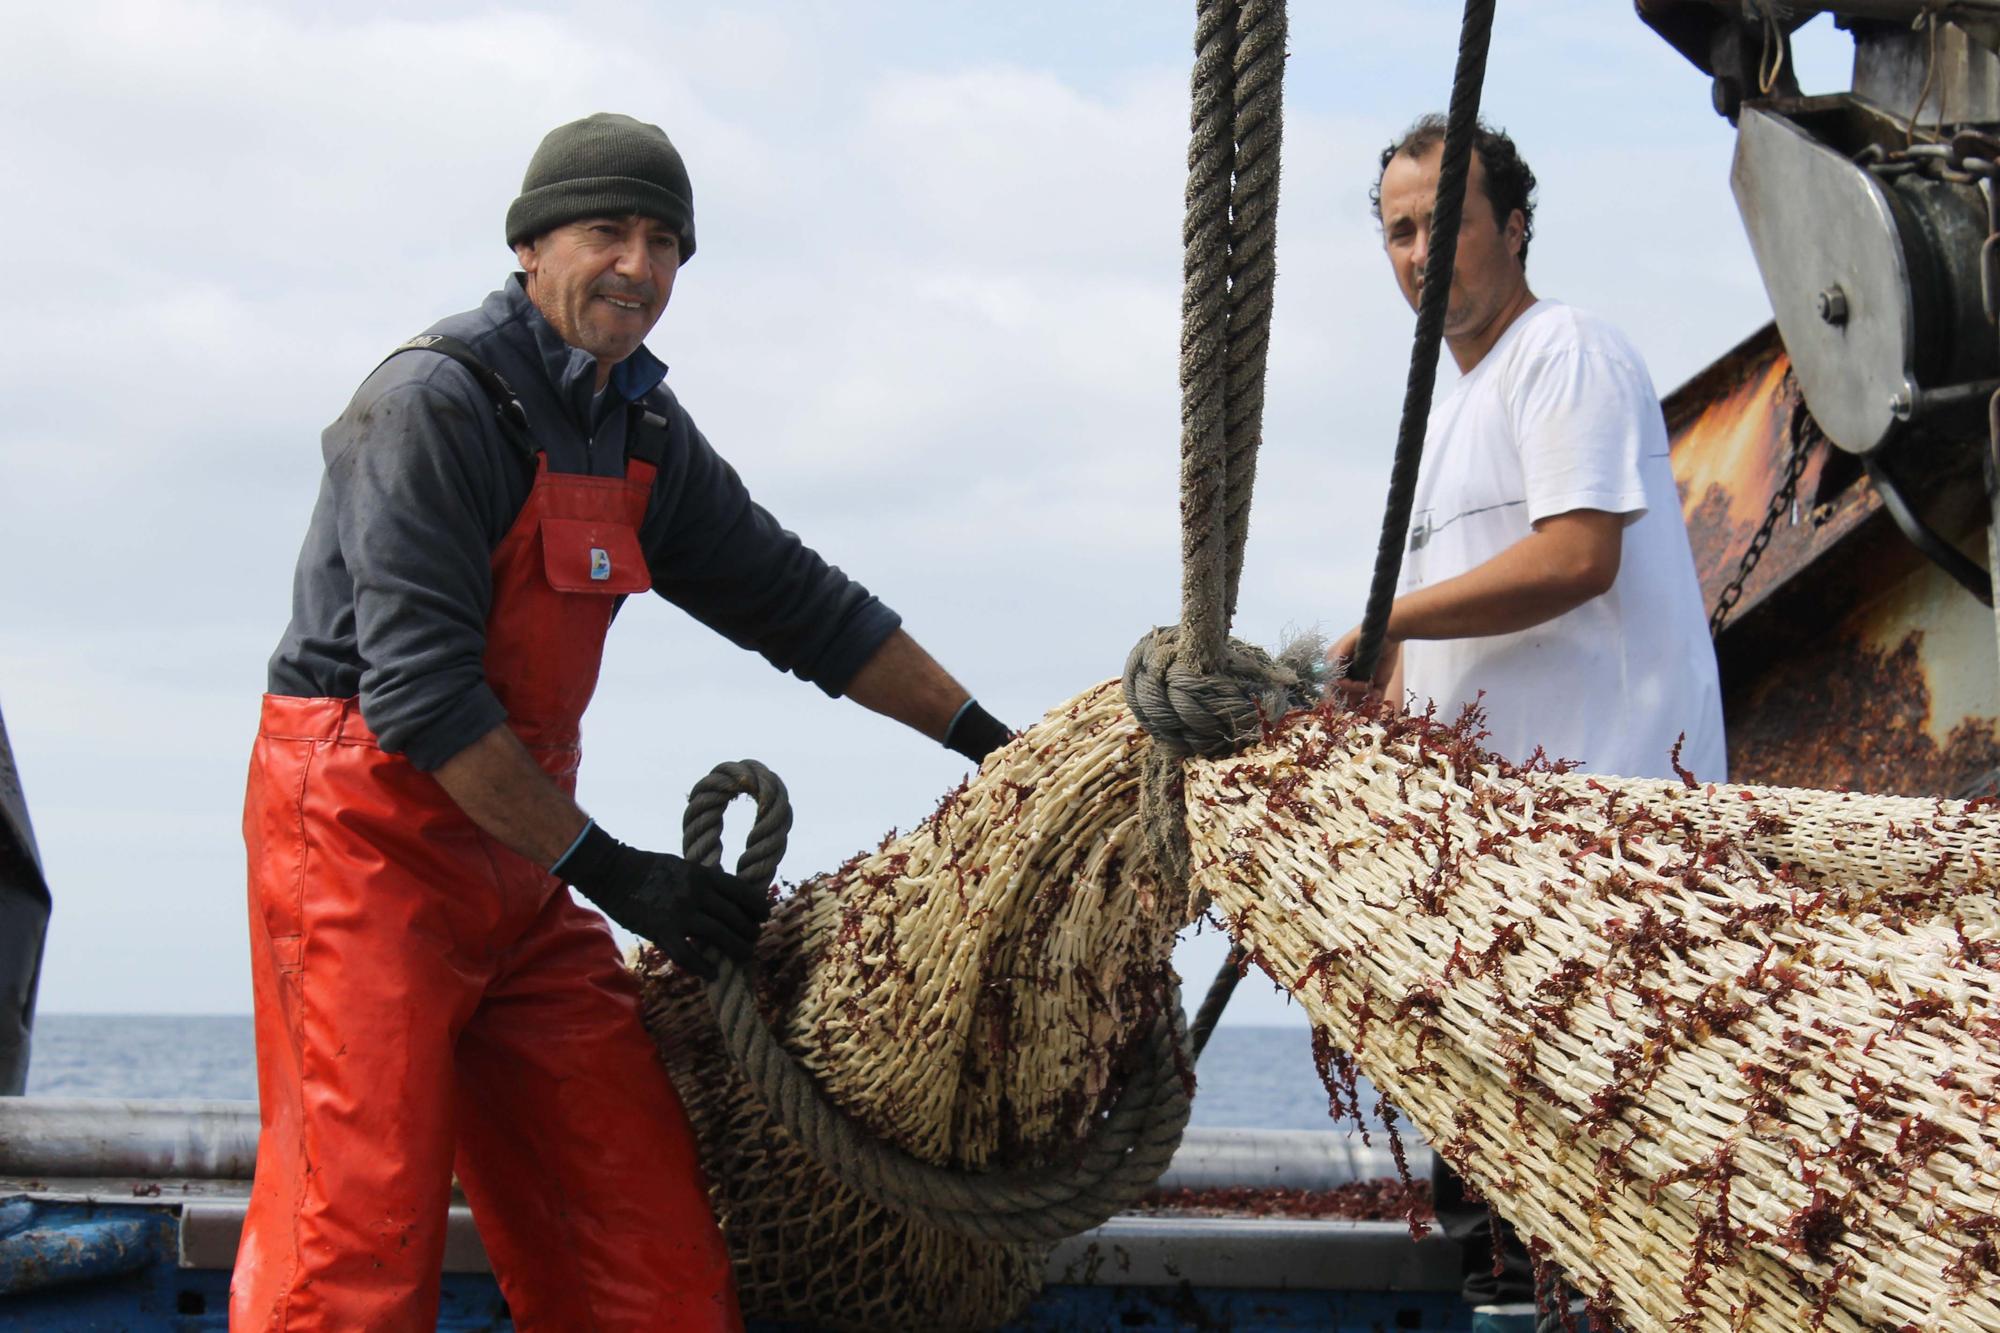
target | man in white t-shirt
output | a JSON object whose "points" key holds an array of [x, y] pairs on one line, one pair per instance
{"points": [[1548, 566], [1548, 574]]}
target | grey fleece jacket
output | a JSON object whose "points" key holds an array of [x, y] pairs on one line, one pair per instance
{"points": [[394, 582]]}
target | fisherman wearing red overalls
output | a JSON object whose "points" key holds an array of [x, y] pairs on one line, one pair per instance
{"points": [[429, 996]]}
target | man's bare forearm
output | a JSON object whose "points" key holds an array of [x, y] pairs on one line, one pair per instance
{"points": [[505, 792], [1565, 562], [904, 682]]}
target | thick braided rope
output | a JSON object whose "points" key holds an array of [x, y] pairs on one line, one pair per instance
{"points": [[1127, 1151], [1258, 126], [1461, 122], [1188, 711], [1193, 690], [1204, 335]]}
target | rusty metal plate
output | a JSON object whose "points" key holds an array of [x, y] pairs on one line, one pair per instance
{"points": [[1731, 432], [1896, 697], [1850, 663]]}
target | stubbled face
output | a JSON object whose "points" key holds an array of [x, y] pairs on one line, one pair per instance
{"points": [[602, 283], [1486, 271]]}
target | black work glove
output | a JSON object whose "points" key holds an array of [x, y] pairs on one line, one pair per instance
{"points": [[678, 905], [975, 733]]}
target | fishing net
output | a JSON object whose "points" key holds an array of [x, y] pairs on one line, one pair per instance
{"points": [[973, 991], [1729, 1057]]}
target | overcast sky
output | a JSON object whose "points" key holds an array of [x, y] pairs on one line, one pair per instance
{"points": [[933, 322]]}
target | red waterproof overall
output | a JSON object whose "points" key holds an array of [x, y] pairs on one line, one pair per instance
{"points": [[427, 999]]}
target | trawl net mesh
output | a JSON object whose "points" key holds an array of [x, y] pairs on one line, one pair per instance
{"points": [[973, 990], [1729, 1057]]}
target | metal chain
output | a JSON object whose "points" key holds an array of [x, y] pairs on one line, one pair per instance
{"points": [[1781, 503], [1970, 157], [1966, 158]]}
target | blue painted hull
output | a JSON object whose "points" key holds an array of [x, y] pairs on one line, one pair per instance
{"points": [[117, 1268]]}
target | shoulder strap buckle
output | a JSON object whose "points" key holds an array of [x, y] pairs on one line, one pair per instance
{"points": [[507, 409], [646, 436]]}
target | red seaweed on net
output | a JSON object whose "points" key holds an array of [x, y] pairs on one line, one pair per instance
{"points": [[1458, 962], [1336, 1071], [1981, 1255], [1755, 921], [1506, 941], [1547, 1281], [853, 920], [1918, 1139], [1357, 1201], [1426, 997], [947, 806], [1281, 795], [1607, 1104], [1246, 779], [1927, 1005], [1560, 990], [1419, 1063], [1716, 1240], [1816, 1226], [1602, 1307], [1362, 1010], [1020, 791], [1419, 1225], [1828, 1290], [1972, 952], [1767, 1089], [1321, 961], [1716, 1010], [1051, 897]]}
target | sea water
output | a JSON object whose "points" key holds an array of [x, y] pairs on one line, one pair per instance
{"points": [[1249, 1077]]}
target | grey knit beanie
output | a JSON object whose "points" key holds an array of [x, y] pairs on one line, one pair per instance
{"points": [[603, 166]]}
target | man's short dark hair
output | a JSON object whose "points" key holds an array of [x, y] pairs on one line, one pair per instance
{"points": [[1510, 186]]}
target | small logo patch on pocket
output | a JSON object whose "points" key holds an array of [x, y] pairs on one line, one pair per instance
{"points": [[600, 564]]}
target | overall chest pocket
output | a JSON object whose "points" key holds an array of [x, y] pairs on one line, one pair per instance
{"points": [[588, 555]]}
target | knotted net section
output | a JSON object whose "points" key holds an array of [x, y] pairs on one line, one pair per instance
{"points": [[1727, 1056], [986, 993]]}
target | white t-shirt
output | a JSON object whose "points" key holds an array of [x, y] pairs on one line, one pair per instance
{"points": [[1561, 415]]}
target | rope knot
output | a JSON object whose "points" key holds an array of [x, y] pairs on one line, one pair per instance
{"points": [[1187, 711]]}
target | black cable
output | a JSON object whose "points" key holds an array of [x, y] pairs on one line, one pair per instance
{"points": [[1217, 999], [1460, 123], [1936, 549]]}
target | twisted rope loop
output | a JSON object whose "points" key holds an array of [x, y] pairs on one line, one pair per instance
{"points": [[1127, 1150], [1187, 711]]}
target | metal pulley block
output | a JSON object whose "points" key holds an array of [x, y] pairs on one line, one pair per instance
{"points": [[1871, 253]]}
